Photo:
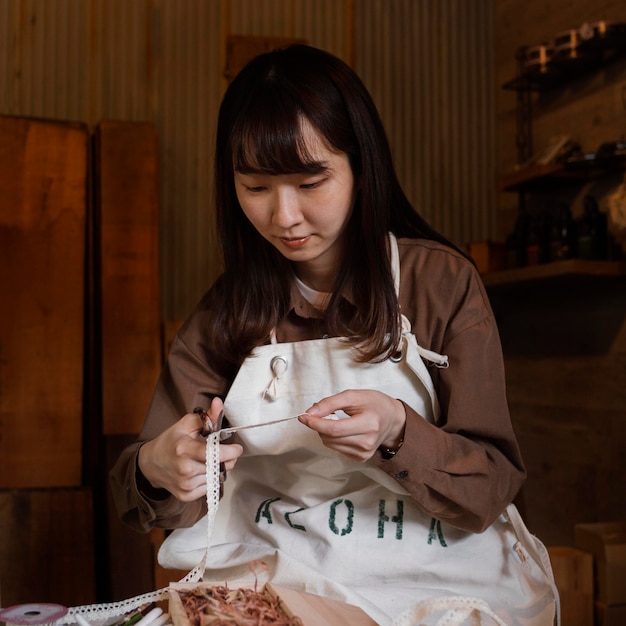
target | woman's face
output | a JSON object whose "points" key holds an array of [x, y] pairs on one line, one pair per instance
{"points": [[303, 216]]}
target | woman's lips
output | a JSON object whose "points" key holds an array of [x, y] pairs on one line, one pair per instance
{"points": [[294, 242]]}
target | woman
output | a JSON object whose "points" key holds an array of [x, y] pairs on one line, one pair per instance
{"points": [[337, 301]]}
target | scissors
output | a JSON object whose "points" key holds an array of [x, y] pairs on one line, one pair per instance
{"points": [[209, 429], [207, 424], [225, 433]]}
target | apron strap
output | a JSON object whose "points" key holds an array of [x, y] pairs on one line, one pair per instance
{"points": [[538, 552], [395, 261], [433, 358]]}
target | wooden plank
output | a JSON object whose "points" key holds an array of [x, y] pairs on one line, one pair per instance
{"points": [[43, 191], [127, 229], [163, 576], [243, 48], [46, 551], [128, 559], [572, 445], [566, 315], [569, 267], [516, 179], [573, 574]]}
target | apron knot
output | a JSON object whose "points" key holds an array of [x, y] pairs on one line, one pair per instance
{"points": [[278, 365]]}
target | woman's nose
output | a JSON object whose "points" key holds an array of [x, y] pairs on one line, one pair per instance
{"points": [[286, 211]]}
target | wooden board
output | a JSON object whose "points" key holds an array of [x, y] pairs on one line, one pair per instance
{"points": [[573, 574], [127, 231], [243, 48], [128, 567], [46, 551], [43, 192], [569, 418]]}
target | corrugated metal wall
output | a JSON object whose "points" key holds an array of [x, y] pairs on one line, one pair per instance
{"points": [[427, 62], [431, 74]]}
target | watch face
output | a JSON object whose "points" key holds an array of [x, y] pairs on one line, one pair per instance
{"points": [[387, 453]]}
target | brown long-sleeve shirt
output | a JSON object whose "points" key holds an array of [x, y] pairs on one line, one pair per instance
{"points": [[463, 471]]}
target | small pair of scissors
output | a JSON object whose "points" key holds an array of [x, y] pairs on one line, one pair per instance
{"points": [[207, 424], [208, 429]]}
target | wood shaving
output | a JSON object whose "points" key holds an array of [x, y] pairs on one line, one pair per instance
{"points": [[221, 606]]}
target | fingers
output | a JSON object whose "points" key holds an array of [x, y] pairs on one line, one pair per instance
{"points": [[211, 418], [322, 417], [206, 426], [216, 412], [374, 418], [347, 401], [229, 453], [175, 459], [167, 463]]}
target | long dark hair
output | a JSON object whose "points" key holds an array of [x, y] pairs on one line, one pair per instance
{"points": [[259, 126]]}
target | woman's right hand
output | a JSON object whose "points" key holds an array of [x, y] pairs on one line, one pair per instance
{"points": [[175, 460]]}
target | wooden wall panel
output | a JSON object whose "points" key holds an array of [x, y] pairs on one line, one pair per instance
{"points": [[43, 191], [127, 230], [564, 342], [49, 557], [127, 566], [243, 48]]}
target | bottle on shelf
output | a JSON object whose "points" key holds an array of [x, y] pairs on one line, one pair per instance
{"points": [[592, 231], [517, 242], [563, 240], [535, 243]]}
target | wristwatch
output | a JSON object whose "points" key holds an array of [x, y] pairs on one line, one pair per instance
{"points": [[389, 453]]}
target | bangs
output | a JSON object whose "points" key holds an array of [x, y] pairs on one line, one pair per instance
{"points": [[271, 141]]}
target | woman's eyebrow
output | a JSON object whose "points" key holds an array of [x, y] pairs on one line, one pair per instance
{"points": [[314, 167], [247, 169]]}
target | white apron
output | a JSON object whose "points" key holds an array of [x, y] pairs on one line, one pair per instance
{"points": [[325, 524]]}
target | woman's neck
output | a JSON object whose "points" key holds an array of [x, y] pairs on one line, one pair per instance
{"points": [[319, 299], [316, 278]]}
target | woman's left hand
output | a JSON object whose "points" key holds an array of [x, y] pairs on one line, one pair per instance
{"points": [[375, 419]]}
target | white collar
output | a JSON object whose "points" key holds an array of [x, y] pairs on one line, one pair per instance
{"points": [[318, 299]]}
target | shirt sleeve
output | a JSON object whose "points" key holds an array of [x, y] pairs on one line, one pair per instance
{"points": [[467, 468], [143, 510], [185, 383]]}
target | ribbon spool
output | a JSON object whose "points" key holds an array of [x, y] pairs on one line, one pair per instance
{"points": [[32, 614]]}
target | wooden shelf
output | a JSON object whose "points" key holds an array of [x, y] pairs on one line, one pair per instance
{"points": [[571, 267], [530, 175], [591, 56], [542, 177]]}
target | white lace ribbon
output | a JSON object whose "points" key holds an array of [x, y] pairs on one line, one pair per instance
{"points": [[457, 610], [94, 613]]}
